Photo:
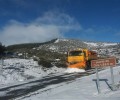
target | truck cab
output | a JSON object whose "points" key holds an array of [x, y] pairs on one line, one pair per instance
{"points": [[80, 58]]}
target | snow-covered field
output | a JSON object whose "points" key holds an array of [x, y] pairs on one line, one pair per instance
{"points": [[17, 71]]}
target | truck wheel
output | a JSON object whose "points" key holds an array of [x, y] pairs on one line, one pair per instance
{"points": [[88, 65]]}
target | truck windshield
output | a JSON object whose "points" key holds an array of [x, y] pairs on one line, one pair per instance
{"points": [[75, 53]]}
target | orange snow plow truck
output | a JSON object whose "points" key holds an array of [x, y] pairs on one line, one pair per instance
{"points": [[80, 58]]}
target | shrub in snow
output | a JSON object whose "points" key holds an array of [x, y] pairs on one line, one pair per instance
{"points": [[61, 64], [45, 63]]}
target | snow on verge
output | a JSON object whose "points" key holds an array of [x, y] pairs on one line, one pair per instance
{"points": [[72, 70]]}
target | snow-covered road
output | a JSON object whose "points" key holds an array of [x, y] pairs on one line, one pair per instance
{"points": [[33, 85], [83, 88]]}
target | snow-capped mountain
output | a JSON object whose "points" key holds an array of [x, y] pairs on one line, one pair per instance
{"points": [[64, 45]]}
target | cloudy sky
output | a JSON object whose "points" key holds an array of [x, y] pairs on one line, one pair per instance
{"points": [[25, 21]]}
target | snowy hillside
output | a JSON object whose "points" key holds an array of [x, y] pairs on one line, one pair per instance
{"points": [[105, 49], [104, 44]]}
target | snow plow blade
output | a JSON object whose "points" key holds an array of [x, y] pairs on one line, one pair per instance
{"points": [[80, 65]]}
